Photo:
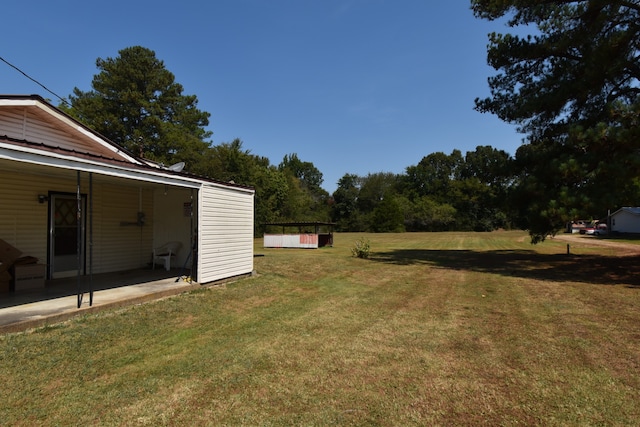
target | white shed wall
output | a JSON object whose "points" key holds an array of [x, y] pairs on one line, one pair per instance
{"points": [[225, 233], [625, 222]]}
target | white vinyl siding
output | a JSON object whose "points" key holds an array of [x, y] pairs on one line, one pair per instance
{"points": [[23, 221], [626, 220], [116, 247], [123, 245], [225, 246], [172, 222]]}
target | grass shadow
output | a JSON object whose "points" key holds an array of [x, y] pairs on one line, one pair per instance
{"points": [[593, 269]]}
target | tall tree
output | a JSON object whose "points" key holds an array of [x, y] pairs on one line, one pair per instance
{"points": [[433, 175], [376, 187], [483, 185], [136, 103], [310, 176], [489, 165], [309, 201], [424, 214], [345, 207], [229, 161], [573, 87], [387, 216]]}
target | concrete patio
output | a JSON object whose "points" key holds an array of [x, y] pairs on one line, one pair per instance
{"points": [[58, 300]]}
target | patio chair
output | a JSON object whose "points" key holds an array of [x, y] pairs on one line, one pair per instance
{"points": [[164, 253]]}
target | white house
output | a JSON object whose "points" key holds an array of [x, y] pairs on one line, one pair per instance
{"points": [[79, 203], [626, 220]]}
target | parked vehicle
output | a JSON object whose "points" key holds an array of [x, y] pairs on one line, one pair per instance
{"points": [[600, 231], [594, 231]]}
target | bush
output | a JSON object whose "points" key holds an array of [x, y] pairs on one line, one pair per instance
{"points": [[362, 248]]}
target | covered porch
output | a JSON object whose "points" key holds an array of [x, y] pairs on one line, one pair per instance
{"points": [[78, 224]]}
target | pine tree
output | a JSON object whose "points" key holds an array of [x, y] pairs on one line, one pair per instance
{"points": [[573, 87], [136, 103]]}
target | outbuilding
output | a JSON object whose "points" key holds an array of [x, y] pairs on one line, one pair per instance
{"points": [[299, 234], [80, 204], [626, 220]]}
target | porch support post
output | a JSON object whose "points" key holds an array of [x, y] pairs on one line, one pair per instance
{"points": [[193, 242], [90, 238], [79, 238]]}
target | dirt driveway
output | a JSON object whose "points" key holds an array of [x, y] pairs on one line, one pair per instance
{"points": [[622, 248]]}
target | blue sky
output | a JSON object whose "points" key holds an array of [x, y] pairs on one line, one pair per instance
{"points": [[353, 86]]}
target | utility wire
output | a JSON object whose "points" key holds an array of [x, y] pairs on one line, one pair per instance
{"points": [[35, 81]]}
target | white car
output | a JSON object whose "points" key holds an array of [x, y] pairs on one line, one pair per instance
{"points": [[595, 231]]}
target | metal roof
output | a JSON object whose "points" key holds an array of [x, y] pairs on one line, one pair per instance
{"points": [[299, 223], [631, 210]]}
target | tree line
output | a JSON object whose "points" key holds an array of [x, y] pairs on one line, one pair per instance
{"points": [[136, 103], [571, 85], [442, 192]]}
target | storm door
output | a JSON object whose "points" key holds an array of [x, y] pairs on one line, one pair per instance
{"points": [[66, 235]]}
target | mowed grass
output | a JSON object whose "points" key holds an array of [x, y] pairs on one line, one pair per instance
{"points": [[433, 329]]}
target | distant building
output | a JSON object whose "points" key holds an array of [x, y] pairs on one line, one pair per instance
{"points": [[626, 220]]}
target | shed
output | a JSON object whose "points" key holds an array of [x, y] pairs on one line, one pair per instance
{"points": [[81, 204], [301, 234], [626, 220]]}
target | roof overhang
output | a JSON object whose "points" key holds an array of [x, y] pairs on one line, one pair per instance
{"points": [[121, 165], [630, 210], [32, 156]]}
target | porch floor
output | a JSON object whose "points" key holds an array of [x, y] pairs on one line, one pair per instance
{"points": [[58, 300]]}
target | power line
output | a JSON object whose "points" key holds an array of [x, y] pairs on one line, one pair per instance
{"points": [[34, 80]]}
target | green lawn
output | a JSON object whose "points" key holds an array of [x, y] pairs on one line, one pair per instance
{"points": [[433, 329]]}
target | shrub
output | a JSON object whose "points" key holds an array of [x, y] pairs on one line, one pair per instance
{"points": [[362, 248]]}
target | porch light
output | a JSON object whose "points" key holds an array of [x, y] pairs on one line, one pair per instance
{"points": [[42, 198]]}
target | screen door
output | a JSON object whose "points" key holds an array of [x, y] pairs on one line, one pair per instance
{"points": [[63, 239]]}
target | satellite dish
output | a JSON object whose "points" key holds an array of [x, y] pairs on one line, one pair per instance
{"points": [[177, 167]]}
